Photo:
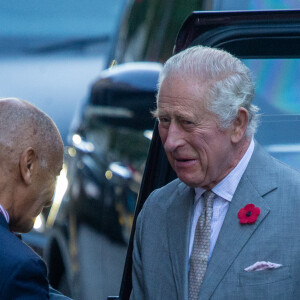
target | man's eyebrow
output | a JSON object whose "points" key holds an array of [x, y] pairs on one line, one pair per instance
{"points": [[160, 113], [180, 116], [179, 97]]}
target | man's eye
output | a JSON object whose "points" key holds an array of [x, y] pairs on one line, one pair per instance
{"points": [[186, 122], [163, 120]]}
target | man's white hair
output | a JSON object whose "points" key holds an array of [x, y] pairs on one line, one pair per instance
{"points": [[229, 82]]}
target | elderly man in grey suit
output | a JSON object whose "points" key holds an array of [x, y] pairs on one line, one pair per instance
{"points": [[227, 228]]}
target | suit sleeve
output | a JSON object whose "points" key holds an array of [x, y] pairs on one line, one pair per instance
{"points": [[27, 280], [56, 295]]}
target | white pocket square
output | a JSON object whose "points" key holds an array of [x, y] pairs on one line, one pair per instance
{"points": [[262, 265]]}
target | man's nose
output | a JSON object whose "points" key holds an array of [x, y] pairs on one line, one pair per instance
{"points": [[174, 137]]}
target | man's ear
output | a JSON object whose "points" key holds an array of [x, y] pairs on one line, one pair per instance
{"points": [[240, 125], [28, 163]]}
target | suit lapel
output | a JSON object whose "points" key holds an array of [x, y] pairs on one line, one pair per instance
{"points": [[178, 227], [233, 235], [3, 221]]}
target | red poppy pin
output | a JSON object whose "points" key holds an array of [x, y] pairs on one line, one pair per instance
{"points": [[248, 214]]}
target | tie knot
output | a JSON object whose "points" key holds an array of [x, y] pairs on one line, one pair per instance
{"points": [[208, 197]]}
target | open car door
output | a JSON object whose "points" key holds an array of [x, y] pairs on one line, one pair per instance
{"points": [[269, 43]]}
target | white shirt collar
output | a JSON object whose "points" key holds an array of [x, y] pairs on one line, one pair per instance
{"points": [[226, 187], [5, 214]]}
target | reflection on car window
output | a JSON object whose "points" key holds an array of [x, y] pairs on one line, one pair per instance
{"points": [[254, 4], [278, 97], [120, 142]]}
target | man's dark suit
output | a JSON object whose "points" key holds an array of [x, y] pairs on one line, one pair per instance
{"points": [[23, 274]]}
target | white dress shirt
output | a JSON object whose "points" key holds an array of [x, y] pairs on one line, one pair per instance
{"points": [[224, 191]]}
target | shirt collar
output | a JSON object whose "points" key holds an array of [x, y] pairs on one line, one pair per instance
{"points": [[5, 214], [226, 187]]}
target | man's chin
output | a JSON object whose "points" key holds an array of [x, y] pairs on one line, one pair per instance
{"points": [[191, 182], [22, 228], [188, 181]]}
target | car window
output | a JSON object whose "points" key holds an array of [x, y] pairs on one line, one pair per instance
{"points": [[120, 142], [254, 4], [277, 96]]}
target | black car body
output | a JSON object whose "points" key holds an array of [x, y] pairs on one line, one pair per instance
{"points": [[106, 158], [267, 41]]}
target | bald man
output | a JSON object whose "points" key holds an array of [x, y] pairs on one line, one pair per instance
{"points": [[31, 157]]}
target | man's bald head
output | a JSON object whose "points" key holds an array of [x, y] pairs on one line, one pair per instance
{"points": [[23, 125], [31, 157]]}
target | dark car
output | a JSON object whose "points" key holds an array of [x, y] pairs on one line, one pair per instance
{"points": [[90, 229], [89, 226], [269, 43]]}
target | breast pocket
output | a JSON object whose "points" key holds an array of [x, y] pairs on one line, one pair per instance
{"points": [[265, 276]]}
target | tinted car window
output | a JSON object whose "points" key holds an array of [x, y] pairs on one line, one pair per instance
{"points": [[278, 97], [254, 4]]}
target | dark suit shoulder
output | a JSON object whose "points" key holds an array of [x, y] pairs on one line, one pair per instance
{"points": [[25, 280], [13, 248], [22, 270]]}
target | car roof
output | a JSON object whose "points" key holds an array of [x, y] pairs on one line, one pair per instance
{"points": [[245, 34]]}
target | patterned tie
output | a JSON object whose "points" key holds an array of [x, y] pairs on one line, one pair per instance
{"points": [[199, 256]]}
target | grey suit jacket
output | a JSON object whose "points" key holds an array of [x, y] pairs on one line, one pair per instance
{"points": [[160, 255]]}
